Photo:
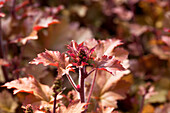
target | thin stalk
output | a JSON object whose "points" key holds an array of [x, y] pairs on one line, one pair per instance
{"points": [[72, 82], [2, 54], [54, 105], [81, 83], [91, 88], [89, 73]]}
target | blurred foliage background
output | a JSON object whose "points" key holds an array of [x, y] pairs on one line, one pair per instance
{"points": [[143, 26]]}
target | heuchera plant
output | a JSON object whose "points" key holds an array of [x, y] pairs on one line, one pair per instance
{"points": [[96, 54], [103, 55]]}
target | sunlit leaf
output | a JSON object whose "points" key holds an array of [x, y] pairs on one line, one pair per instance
{"points": [[30, 85], [110, 65], [45, 22], [32, 36], [108, 89], [54, 58], [75, 107]]}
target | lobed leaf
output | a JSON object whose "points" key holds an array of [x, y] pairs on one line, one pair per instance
{"points": [[54, 58], [30, 85], [75, 107], [103, 47], [108, 89], [45, 22], [111, 65], [32, 36]]}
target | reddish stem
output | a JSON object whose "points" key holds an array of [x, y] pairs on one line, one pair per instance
{"points": [[82, 73], [91, 88], [72, 82], [89, 73], [81, 83]]}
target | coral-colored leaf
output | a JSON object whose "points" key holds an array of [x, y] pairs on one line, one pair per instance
{"points": [[32, 36], [30, 85], [103, 47], [54, 58], [47, 58], [108, 89], [108, 57], [120, 54], [45, 22], [109, 98], [111, 65], [75, 107]]}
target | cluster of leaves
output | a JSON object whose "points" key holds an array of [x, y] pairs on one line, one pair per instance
{"points": [[142, 25]]}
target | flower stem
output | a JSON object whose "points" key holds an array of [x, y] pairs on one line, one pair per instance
{"points": [[54, 105], [89, 73], [91, 88], [81, 83], [72, 82]]}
